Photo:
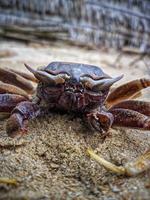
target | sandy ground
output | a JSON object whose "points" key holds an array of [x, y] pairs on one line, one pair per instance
{"points": [[51, 161]]}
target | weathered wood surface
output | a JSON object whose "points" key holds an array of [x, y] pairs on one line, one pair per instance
{"points": [[110, 23]]}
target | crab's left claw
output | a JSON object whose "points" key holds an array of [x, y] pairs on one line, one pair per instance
{"points": [[134, 168]]}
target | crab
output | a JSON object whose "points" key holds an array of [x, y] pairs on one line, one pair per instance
{"points": [[74, 87]]}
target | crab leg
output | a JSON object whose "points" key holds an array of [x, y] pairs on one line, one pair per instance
{"points": [[9, 101], [137, 95], [127, 91], [130, 118], [139, 106], [17, 123], [11, 89], [4, 115], [15, 79], [134, 168]]}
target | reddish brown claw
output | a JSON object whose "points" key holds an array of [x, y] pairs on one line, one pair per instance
{"points": [[17, 123], [100, 121]]}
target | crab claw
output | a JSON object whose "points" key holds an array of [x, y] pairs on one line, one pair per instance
{"points": [[134, 168], [16, 126], [17, 123]]}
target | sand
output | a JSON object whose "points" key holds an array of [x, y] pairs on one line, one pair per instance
{"points": [[51, 161]]}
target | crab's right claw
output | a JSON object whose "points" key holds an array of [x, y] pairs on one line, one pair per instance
{"points": [[140, 165]]}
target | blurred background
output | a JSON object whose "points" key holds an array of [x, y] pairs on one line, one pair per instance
{"points": [[93, 23], [31, 29], [96, 24], [51, 161], [93, 27]]}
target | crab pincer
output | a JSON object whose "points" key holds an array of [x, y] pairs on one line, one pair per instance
{"points": [[100, 121], [18, 121]]}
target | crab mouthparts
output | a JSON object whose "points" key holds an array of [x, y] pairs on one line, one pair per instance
{"points": [[75, 88]]}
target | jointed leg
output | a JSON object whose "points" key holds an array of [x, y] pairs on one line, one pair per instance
{"points": [[15, 87], [13, 78], [10, 96], [127, 91], [11, 89], [139, 106], [130, 118], [9, 101]]}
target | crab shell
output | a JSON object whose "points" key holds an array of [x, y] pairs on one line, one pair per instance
{"points": [[72, 86]]}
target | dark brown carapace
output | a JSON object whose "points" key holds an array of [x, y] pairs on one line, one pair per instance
{"points": [[71, 87]]}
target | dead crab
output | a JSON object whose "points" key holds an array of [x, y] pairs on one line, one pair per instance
{"points": [[72, 87]]}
